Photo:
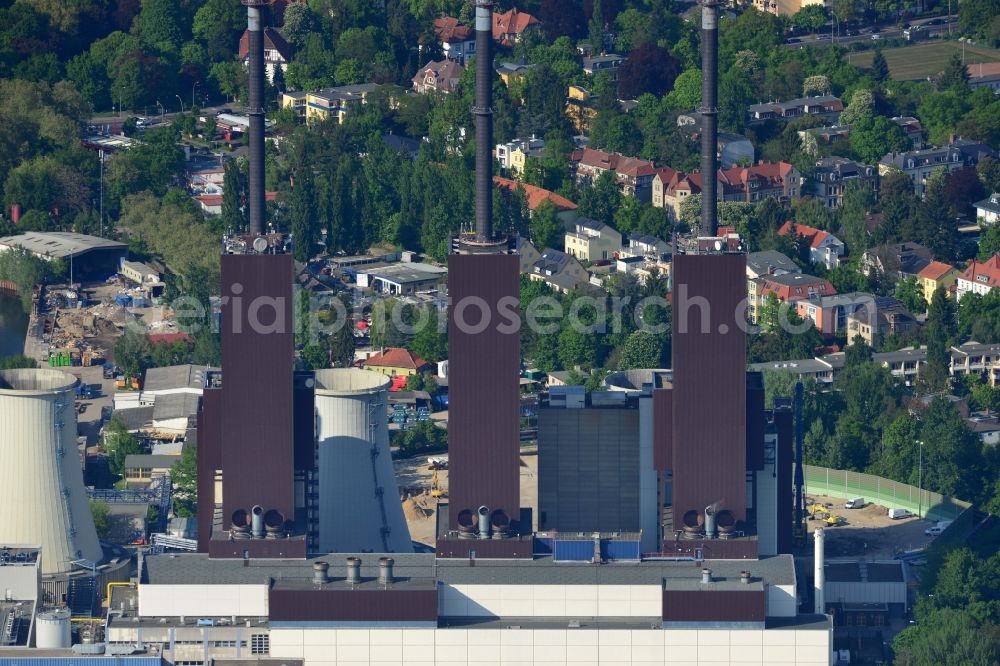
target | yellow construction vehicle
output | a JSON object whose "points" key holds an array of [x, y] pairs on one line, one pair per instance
{"points": [[834, 520], [435, 487]]}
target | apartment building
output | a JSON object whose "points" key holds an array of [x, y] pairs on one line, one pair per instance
{"points": [[834, 174], [328, 103], [591, 240], [979, 277]]}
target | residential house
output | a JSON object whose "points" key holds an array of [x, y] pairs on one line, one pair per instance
{"points": [[937, 274], [395, 362], [920, 164], [769, 262], [277, 52], [580, 108], [784, 7], [328, 103], [527, 254], [512, 71], [988, 210], [610, 62], [830, 313], [645, 245], [823, 136], [633, 174], [561, 271], [976, 358], [898, 259], [509, 27], [788, 288], [749, 184], [760, 265], [513, 154], [913, 129], [986, 425], [985, 75], [565, 209], [882, 316], [591, 240], [403, 144], [979, 277], [834, 174], [437, 76], [826, 107], [824, 247], [458, 41]]}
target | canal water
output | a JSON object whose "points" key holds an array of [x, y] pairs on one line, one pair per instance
{"points": [[13, 325]]}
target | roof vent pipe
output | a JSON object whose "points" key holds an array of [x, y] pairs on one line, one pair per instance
{"points": [[484, 522], [257, 521], [385, 570], [710, 521], [745, 577], [319, 573], [353, 570], [706, 575]]}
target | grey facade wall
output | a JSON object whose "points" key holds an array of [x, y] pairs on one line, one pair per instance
{"points": [[588, 469]]}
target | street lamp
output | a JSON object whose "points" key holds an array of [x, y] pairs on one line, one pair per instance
{"points": [[920, 479], [181, 102], [160, 106], [192, 95]]}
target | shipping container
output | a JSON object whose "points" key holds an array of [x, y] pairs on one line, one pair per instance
{"points": [[543, 545]]}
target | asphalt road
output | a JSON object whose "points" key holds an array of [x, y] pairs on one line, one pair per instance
{"points": [[890, 31]]}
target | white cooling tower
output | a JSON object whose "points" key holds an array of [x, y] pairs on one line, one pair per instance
{"points": [[359, 507], [42, 499]]}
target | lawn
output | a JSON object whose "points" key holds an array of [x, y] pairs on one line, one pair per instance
{"points": [[922, 60]]}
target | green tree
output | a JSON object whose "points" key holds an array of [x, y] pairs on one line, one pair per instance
{"points": [[430, 342], [302, 215], [577, 348], [641, 350], [945, 638], [118, 443], [879, 68], [132, 351], [940, 327], [159, 26], [184, 475], [955, 76], [314, 355], [219, 24], [952, 458], [872, 139], [15, 361], [861, 108], [686, 93], [911, 293], [101, 513], [601, 200]]}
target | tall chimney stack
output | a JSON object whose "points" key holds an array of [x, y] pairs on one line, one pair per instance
{"points": [[255, 111], [483, 112], [709, 115]]}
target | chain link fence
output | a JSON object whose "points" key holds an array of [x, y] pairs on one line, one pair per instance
{"points": [[846, 485]]}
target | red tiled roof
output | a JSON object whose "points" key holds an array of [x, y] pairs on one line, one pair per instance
{"points": [[396, 357], [536, 195], [797, 287], [511, 22], [935, 270], [814, 236], [989, 270], [628, 166], [666, 174], [168, 338], [272, 40], [449, 30]]}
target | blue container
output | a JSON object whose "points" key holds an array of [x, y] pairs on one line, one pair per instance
{"points": [[620, 549], [576, 550], [543, 545]]}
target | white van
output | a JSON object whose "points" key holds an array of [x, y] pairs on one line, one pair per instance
{"points": [[855, 503], [897, 514]]}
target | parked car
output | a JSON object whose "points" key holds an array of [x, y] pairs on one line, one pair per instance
{"points": [[898, 514], [934, 531]]}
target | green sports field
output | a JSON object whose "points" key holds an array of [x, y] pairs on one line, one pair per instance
{"points": [[922, 60]]}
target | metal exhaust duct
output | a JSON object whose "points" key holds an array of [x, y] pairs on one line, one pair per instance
{"points": [[706, 576], [484, 522], [257, 521], [709, 115], [320, 570], [255, 112], [819, 603], [483, 113], [385, 570], [710, 522], [353, 570], [745, 577]]}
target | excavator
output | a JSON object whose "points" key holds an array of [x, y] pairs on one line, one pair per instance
{"points": [[435, 486]]}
